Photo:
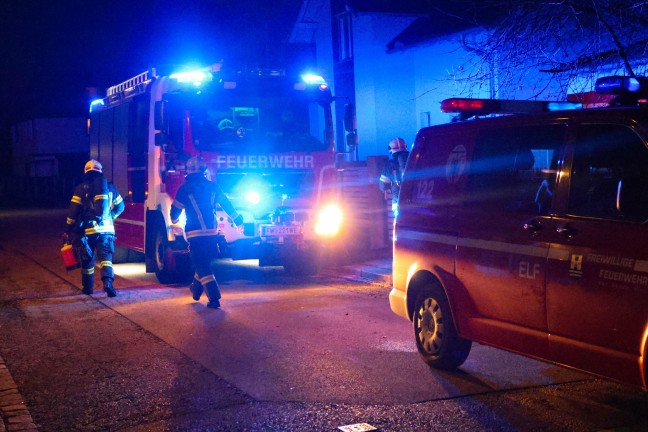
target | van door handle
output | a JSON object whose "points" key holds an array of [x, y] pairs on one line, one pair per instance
{"points": [[566, 230], [533, 226]]}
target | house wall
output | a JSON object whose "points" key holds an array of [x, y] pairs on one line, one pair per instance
{"points": [[384, 85], [49, 146]]}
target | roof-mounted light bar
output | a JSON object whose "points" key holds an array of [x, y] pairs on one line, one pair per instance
{"points": [[195, 77], [619, 85], [502, 106]]}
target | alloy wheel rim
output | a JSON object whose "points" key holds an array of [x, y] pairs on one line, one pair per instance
{"points": [[430, 326]]}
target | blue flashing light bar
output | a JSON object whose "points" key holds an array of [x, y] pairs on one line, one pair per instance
{"points": [[313, 79], [95, 104], [621, 85], [562, 105], [195, 77]]}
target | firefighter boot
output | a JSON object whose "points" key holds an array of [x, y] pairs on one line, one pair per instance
{"points": [[213, 294], [108, 287], [87, 280], [196, 289]]}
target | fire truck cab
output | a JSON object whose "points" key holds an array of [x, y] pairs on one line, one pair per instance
{"points": [[527, 230], [267, 138]]}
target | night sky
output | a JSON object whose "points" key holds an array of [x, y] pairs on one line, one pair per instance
{"points": [[52, 51]]}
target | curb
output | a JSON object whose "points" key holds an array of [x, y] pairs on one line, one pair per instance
{"points": [[377, 271], [13, 411]]}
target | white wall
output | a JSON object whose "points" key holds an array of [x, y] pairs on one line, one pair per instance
{"points": [[435, 65], [384, 84]]}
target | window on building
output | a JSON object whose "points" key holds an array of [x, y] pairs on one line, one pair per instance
{"points": [[345, 37]]}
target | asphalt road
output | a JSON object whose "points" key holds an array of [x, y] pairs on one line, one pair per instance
{"points": [[283, 354]]}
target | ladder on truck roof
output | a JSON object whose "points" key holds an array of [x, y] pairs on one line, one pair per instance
{"points": [[131, 86]]}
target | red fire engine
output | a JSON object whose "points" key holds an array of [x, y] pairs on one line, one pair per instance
{"points": [[268, 142]]}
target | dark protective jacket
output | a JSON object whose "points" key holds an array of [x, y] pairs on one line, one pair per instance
{"points": [[94, 205], [392, 174], [199, 198]]}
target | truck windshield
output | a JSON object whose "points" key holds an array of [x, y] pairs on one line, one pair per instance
{"points": [[252, 122]]}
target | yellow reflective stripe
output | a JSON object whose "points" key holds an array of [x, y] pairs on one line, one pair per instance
{"points": [[385, 179], [178, 204], [76, 200], [207, 279], [87, 271], [100, 230], [100, 197], [103, 264], [70, 221], [118, 200], [198, 212], [202, 233]]}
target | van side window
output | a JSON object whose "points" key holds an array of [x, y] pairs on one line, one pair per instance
{"points": [[609, 174], [515, 168]]}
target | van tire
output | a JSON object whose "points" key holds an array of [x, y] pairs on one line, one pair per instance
{"points": [[435, 333]]}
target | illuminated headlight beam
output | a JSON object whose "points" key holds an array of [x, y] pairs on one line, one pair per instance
{"points": [[253, 197], [329, 221]]}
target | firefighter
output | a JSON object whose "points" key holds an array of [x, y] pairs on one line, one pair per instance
{"points": [[199, 198], [392, 173], [94, 205]]}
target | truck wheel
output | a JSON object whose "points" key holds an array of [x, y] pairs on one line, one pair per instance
{"points": [[435, 332], [303, 263], [170, 267]]}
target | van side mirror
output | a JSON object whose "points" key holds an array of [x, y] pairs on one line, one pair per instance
{"points": [[349, 118]]}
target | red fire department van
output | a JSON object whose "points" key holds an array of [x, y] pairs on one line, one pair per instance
{"points": [[267, 138], [529, 232]]}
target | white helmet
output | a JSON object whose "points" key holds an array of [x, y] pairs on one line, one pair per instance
{"points": [[92, 165], [195, 165], [396, 145]]}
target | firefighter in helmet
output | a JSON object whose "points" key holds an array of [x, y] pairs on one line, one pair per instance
{"points": [[199, 198], [392, 173], [89, 226]]}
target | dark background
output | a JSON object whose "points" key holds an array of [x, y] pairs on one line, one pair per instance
{"points": [[54, 53]]}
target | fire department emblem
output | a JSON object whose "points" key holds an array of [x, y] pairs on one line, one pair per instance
{"points": [[456, 164], [576, 266]]}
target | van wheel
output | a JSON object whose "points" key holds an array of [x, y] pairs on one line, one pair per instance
{"points": [[435, 332]]}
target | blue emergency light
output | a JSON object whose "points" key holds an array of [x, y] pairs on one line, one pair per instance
{"points": [[195, 77], [313, 79], [95, 104], [621, 85]]}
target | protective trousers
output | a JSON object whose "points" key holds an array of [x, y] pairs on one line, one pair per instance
{"points": [[100, 248], [203, 251]]}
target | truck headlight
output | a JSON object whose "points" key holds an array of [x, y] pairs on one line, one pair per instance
{"points": [[253, 197], [329, 221]]}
